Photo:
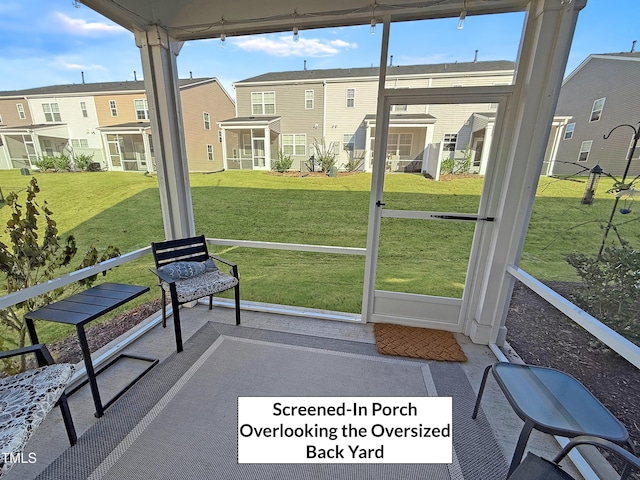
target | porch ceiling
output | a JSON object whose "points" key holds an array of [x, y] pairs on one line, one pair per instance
{"points": [[57, 130], [199, 19]]}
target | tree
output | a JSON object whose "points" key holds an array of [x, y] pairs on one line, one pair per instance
{"points": [[27, 261]]}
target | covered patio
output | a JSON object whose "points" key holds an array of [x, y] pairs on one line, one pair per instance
{"points": [[515, 159]]}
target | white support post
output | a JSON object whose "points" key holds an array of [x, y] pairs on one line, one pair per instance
{"points": [[542, 60], [267, 148], [159, 54]]}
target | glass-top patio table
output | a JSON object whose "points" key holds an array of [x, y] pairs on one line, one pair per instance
{"points": [[553, 402]]}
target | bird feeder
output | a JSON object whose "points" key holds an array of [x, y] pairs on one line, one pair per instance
{"points": [[592, 184]]}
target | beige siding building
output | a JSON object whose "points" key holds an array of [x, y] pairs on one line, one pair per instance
{"points": [[109, 122], [599, 95], [336, 108]]}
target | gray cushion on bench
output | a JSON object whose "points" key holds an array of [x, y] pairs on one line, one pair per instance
{"points": [[202, 285]]}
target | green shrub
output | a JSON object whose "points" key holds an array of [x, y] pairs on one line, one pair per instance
{"points": [[354, 162], [44, 163], [62, 163], [325, 155], [447, 165], [82, 161], [283, 163], [610, 289], [35, 255]]}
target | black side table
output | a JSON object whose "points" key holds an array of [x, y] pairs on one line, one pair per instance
{"points": [[82, 308]]}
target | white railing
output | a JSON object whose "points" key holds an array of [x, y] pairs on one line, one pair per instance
{"points": [[595, 327]]}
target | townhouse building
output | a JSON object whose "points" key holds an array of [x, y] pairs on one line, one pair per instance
{"points": [[599, 95], [297, 111], [108, 121]]}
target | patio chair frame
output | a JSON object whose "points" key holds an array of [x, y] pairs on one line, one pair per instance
{"points": [[192, 249]]}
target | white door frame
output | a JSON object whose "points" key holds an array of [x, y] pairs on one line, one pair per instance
{"points": [[411, 309]]}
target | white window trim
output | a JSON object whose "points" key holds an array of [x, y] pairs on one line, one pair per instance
{"points": [[568, 134], [220, 136], [144, 110], [352, 98], [206, 118], [448, 142], [83, 109], [352, 142], [262, 103], [113, 107], [54, 112], [593, 109], [209, 152], [293, 145], [312, 99], [586, 143], [21, 114], [397, 144]]}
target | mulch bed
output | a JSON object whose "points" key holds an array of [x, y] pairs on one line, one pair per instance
{"points": [[539, 333]]}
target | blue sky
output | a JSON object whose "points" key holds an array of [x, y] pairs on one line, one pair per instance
{"points": [[56, 44]]}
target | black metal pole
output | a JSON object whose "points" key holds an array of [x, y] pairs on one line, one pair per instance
{"points": [[636, 137]]}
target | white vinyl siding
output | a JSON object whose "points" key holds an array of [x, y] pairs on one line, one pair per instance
{"points": [[308, 99], [294, 144], [21, 113], [263, 103], [585, 149], [351, 97], [142, 109], [568, 132], [596, 111], [113, 107], [51, 112], [207, 120]]}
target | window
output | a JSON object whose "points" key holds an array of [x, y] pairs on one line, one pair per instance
{"points": [[210, 152], [399, 145], [142, 109], [51, 112], [636, 153], [20, 111], [207, 120], [351, 97], [308, 99], [83, 107], [294, 144], [596, 111], [246, 145], [398, 108], [348, 142], [113, 108], [263, 103], [79, 143], [585, 148], [568, 133], [220, 136], [449, 142]]}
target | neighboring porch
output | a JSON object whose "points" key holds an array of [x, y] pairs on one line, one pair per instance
{"points": [[250, 143], [23, 146], [129, 147]]}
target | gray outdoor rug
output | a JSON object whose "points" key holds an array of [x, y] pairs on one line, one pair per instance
{"points": [[180, 421]]}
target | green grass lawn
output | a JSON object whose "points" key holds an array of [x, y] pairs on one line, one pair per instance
{"points": [[123, 209]]}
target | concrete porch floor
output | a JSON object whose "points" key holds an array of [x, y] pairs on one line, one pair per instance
{"points": [[50, 439]]}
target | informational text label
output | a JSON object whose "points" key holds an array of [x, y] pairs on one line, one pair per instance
{"points": [[345, 430]]}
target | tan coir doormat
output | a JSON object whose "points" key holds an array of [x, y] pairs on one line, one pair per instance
{"points": [[417, 343]]}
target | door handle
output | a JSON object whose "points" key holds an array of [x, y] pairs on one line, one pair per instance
{"points": [[379, 203]]}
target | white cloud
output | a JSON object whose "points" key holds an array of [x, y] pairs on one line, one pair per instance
{"points": [[65, 63], [82, 27], [284, 46]]}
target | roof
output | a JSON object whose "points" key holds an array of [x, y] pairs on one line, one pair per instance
{"points": [[633, 56], [76, 88], [126, 126], [439, 68], [261, 120]]}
